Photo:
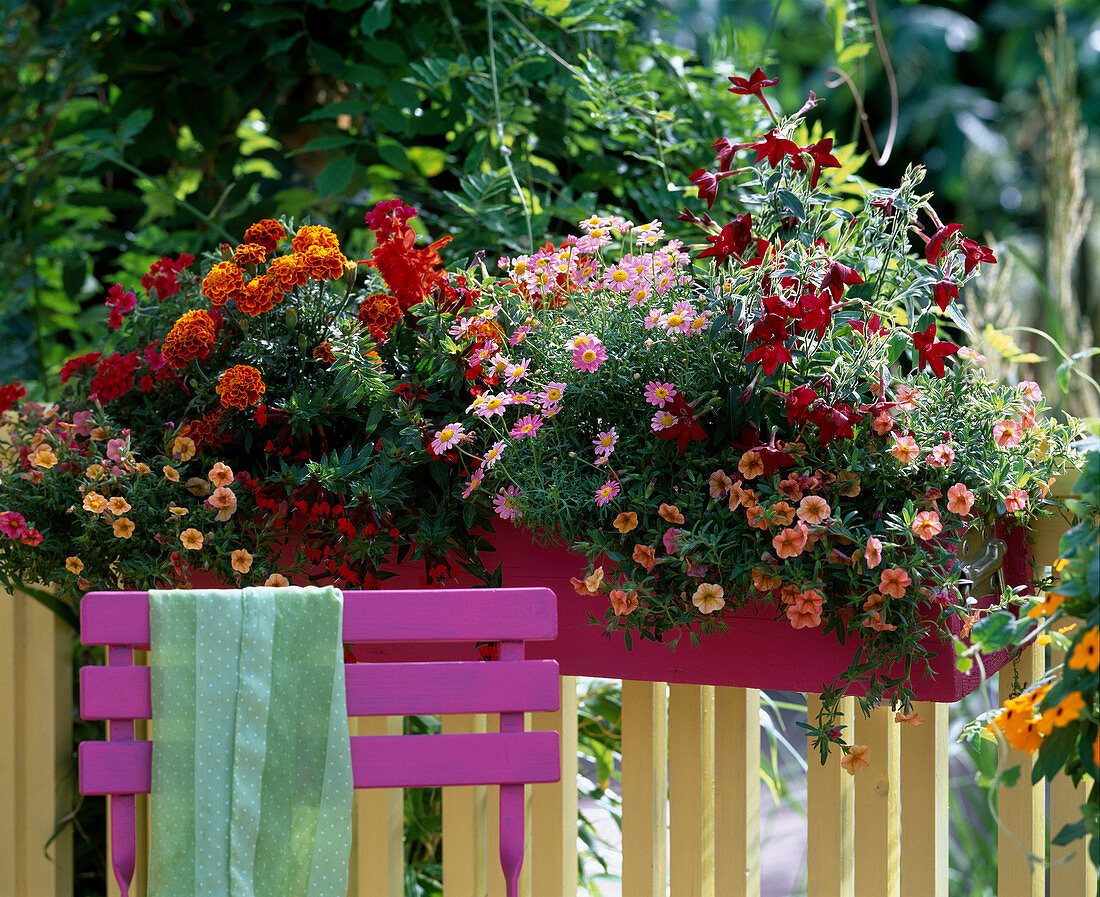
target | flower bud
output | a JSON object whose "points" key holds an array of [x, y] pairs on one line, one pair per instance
{"points": [[291, 315]]}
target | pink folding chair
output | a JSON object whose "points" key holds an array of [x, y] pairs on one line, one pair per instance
{"points": [[120, 694]]}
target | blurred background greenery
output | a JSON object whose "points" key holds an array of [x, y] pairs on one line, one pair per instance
{"points": [[130, 130]]}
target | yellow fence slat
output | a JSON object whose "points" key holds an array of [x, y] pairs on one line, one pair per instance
{"points": [[830, 802], [552, 856], [36, 720], [737, 791], [1022, 808], [877, 805], [645, 789], [464, 824], [377, 856], [691, 789], [925, 829]]}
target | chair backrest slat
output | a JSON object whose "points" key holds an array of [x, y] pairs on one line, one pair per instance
{"points": [[510, 686], [375, 689], [425, 615]]}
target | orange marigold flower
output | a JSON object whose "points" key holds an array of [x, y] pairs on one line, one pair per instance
{"points": [[224, 282], [625, 522], [240, 386], [323, 352], [190, 337], [276, 581], [249, 254], [241, 560], [624, 602], [857, 757], [380, 313], [192, 539], [208, 430], [323, 263], [288, 272], [267, 232], [259, 295], [123, 528], [74, 565], [314, 235]]}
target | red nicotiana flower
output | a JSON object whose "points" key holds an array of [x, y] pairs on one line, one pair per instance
{"points": [[976, 253], [931, 352], [773, 146], [935, 245], [707, 182], [752, 86], [686, 428], [732, 240], [943, 292], [837, 276], [822, 155]]}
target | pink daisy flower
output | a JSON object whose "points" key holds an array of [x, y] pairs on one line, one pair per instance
{"points": [[659, 394], [653, 319], [528, 425], [552, 395], [679, 319], [451, 435], [605, 442], [589, 359], [491, 405], [606, 492], [506, 503], [474, 482], [662, 420], [514, 372], [493, 455]]}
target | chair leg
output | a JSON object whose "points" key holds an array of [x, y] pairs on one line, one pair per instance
{"points": [[123, 809], [511, 836]]}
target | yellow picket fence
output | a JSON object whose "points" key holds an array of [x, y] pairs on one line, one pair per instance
{"points": [[690, 792]]}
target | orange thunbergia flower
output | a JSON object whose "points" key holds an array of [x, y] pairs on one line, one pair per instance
{"points": [[241, 560], [645, 557], [240, 386], [927, 525], [267, 232], [708, 597], [1050, 603], [276, 581], [183, 448], [1086, 653], [625, 522], [624, 602], [314, 235], [249, 254], [719, 484], [287, 272], [893, 582], [43, 457], [912, 718], [790, 543], [872, 554], [1066, 711], [171, 474], [224, 282], [220, 474], [192, 539], [857, 757], [322, 263], [671, 513], [190, 337], [905, 450], [123, 528], [751, 465], [782, 514], [94, 502], [814, 509], [259, 295], [960, 500], [74, 565], [118, 505]]}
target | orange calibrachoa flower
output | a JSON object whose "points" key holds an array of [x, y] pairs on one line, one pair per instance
{"points": [[905, 450], [645, 557], [240, 387], [287, 272], [192, 539], [190, 337], [872, 554], [912, 718], [671, 513], [893, 582], [751, 465], [782, 514], [220, 474], [814, 509], [224, 282], [276, 581], [171, 474], [249, 254], [590, 585], [183, 448], [790, 542], [118, 505], [927, 525], [74, 565], [94, 502], [857, 757], [804, 611], [259, 295], [267, 232], [625, 522], [624, 602], [241, 560], [708, 597], [44, 457], [960, 500], [123, 528]]}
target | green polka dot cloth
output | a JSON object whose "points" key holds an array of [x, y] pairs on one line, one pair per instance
{"points": [[252, 782]]}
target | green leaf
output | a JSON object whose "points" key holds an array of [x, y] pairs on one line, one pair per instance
{"points": [[327, 59], [334, 110], [329, 141], [336, 176], [374, 19], [1070, 833], [385, 51]]}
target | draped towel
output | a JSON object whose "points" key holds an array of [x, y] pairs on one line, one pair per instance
{"points": [[252, 782]]}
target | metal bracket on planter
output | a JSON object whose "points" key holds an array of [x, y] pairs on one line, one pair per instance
{"points": [[987, 562]]}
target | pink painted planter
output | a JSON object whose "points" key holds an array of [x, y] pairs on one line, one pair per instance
{"points": [[758, 651]]}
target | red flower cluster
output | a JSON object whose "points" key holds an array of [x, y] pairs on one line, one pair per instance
{"points": [[410, 273], [73, 365], [10, 393], [387, 216], [120, 303], [162, 276], [114, 377]]}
